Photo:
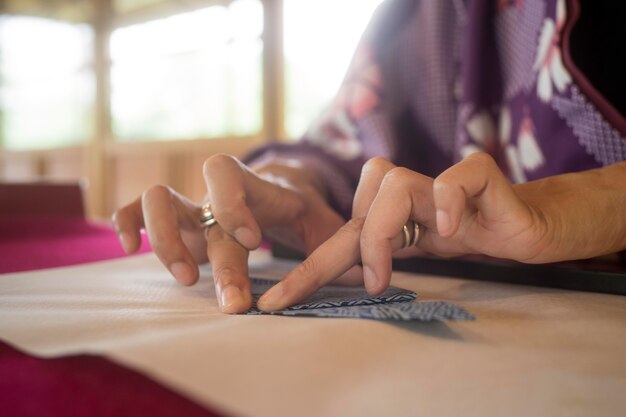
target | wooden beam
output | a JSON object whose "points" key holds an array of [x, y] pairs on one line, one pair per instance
{"points": [[96, 157], [273, 71]]}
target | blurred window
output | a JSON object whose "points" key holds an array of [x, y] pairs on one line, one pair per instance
{"points": [[192, 75], [320, 38], [46, 83]]}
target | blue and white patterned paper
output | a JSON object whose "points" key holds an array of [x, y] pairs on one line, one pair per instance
{"points": [[352, 302]]}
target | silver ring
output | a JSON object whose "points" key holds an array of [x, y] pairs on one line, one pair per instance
{"points": [[416, 234], [411, 233], [207, 219], [407, 236]]}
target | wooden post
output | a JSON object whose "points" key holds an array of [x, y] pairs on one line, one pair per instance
{"points": [[95, 150], [273, 71]]}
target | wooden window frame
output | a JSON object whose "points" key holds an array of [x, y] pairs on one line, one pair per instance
{"points": [[98, 153]]}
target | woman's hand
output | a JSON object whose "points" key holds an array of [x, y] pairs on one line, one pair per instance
{"points": [[284, 201], [469, 209]]}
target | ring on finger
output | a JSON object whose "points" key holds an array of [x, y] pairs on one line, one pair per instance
{"points": [[207, 219], [406, 234], [411, 233], [416, 234]]}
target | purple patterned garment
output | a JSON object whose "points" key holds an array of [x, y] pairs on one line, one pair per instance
{"points": [[434, 81]]}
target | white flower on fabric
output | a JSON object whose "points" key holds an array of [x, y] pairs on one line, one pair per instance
{"points": [[359, 95], [549, 61], [482, 130], [510, 152], [484, 137], [336, 133], [529, 152]]}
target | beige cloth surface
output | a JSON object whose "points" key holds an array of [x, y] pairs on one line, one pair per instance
{"points": [[531, 352]]}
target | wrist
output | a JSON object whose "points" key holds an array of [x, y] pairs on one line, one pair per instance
{"points": [[582, 214]]}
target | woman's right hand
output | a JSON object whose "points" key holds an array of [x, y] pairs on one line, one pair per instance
{"points": [[284, 201]]}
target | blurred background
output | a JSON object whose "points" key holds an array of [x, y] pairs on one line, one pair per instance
{"points": [[123, 94]]}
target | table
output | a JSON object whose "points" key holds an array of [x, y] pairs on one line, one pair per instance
{"points": [[532, 351], [76, 385]]}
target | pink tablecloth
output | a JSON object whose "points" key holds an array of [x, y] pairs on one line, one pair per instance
{"points": [[74, 385], [47, 242]]}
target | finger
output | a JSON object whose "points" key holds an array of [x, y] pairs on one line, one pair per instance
{"points": [[226, 179], [322, 223], [352, 277], [478, 179], [403, 195], [128, 222], [330, 260], [372, 174], [229, 261], [161, 223], [306, 211]]}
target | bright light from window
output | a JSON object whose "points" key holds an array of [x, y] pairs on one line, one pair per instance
{"points": [[46, 94], [191, 75], [320, 38]]}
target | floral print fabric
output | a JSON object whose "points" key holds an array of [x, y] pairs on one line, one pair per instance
{"points": [[436, 80]]}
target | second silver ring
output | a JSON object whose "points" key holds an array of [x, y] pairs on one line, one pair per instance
{"points": [[411, 232], [207, 219]]}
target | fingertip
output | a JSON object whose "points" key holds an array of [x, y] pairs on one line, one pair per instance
{"points": [[272, 300], [233, 300], [449, 203], [184, 273], [444, 223], [369, 278], [373, 285], [128, 243], [246, 237]]}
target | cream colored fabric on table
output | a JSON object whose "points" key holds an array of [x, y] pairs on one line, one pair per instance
{"points": [[531, 351]]}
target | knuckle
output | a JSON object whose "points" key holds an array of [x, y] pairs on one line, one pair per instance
{"points": [[217, 162], [155, 191], [377, 165], [482, 159], [122, 214], [442, 183], [398, 176]]}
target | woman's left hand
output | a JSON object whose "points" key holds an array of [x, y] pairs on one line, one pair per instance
{"points": [[470, 208]]}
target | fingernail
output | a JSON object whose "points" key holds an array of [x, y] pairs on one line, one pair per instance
{"points": [[245, 237], [230, 299], [369, 278], [272, 298], [125, 242], [443, 222], [182, 272]]}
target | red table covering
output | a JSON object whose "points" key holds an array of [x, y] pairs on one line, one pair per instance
{"points": [[82, 385]]}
